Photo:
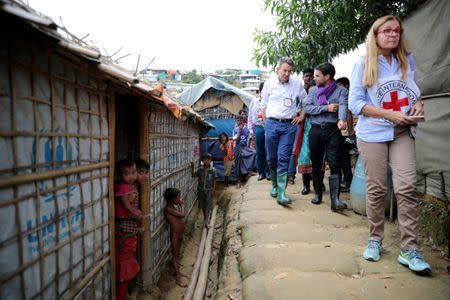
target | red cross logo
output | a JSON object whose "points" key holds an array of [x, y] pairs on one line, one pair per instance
{"points": [[395, 103]]}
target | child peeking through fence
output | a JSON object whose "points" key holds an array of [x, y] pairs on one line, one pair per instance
{"points": [[128, 225], [174, 213], [206, 186]]}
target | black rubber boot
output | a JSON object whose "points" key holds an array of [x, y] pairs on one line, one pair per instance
{"points": [[336, 203], [317, 183], [306, 184]]}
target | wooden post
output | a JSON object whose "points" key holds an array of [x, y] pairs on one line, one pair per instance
{"points": [[144, 153], [194, 275], [111, 103], [204, 269]]}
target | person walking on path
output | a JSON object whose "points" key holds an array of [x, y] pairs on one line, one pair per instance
{"points": [[385, 96], [347, 134], [279, 112], [327, 106], [256, 126], [245, 155], [206, 186], [301, 155]]}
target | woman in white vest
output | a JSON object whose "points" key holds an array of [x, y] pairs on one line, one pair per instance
{"points": [[385, 96]]}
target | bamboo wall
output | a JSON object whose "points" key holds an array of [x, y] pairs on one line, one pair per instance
{"points": [[173, 144], [54, 177]]}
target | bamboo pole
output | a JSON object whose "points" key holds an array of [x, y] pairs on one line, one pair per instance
{"points": [[194, 274], [204, 269], [111, 109], [25, 178]]}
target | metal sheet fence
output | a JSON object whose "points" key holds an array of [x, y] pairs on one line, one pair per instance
{"points": [[173, 145], [54, 177]]}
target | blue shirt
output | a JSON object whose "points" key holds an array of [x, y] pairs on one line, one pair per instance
{"points": [[367, 130]]}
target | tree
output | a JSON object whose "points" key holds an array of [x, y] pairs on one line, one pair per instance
{"points": [[315, 31], [192, 77]]}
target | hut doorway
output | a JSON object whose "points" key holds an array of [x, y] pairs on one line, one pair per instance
{"points": [[127, 128]]}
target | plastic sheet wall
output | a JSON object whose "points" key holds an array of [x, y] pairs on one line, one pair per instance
{"points": [[54, 178], [173, 144]]}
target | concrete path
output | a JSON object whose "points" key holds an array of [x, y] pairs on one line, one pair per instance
{"points": [[308, 252]]}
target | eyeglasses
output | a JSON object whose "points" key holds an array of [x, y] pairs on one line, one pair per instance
{"points": [[390, 31]]}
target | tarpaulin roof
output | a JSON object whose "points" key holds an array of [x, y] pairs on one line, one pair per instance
{"points": [[427, 32], [192, 95]]}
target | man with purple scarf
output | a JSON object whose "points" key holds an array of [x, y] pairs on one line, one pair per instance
{"points": [[327, 104]]}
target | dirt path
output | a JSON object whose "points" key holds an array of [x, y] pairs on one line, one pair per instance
{"points": [[167, 288]]}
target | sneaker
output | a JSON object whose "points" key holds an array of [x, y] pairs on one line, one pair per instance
{"points": [[414, 261], [372, 251]]}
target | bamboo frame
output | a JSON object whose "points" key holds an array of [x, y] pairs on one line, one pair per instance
{"points": [[144, 153], [112, 142], [98, 258], [164, 136], [12, 90], [27, 178]]}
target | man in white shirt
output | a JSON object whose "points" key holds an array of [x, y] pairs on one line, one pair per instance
{"points": [[279, 111]]}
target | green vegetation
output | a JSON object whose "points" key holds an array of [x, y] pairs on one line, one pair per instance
{"points": [[315, 31], [192, 77]]}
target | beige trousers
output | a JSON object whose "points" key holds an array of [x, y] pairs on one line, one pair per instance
{"points": [[401, 154]]}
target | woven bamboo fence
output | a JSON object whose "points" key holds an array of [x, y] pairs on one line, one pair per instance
{"points": [[54, 177]]}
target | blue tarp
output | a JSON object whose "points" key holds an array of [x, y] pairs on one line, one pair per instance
{"points": [[212, 146]]}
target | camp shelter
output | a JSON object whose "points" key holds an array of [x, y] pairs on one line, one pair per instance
{"points": [[218, 103], [68, 114], [427, 31]]}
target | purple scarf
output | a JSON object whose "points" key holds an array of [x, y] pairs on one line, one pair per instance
{"points": [[323, 92]]}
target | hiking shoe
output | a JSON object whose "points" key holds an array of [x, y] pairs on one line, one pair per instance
{"points": [[414, 261], [372, 251]]}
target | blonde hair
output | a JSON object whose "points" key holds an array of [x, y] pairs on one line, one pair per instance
{"points": [[372, 52]]}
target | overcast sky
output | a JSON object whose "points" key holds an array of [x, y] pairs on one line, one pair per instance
{"points": [[205, 35]]}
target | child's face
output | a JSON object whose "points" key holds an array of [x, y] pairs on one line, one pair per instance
{"points": [[142, 175], [223, 139], [178, 199], [129, 174], [207, 162]]}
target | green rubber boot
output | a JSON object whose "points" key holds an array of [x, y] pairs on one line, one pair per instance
{"points": [[273, 176], [282, 184]]}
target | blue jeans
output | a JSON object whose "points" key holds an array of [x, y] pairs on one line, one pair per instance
{"points": [[292, 170], [279, 142], [261, 161]]}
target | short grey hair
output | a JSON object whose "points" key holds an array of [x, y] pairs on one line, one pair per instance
{"points": [[285, 60]]}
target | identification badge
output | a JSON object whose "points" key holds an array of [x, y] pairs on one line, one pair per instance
{"points": [[287, 102]]}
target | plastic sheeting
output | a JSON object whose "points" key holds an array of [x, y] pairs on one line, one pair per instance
{"points": [[428, 34], [194, 94], [173, 145], [57, 125], [427, 31]]}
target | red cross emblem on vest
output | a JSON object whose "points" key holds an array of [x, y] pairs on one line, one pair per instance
{"points": [[395, 104]]}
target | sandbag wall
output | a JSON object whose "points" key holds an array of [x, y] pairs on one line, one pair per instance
{"points": [[54, 177], [173, 144]]}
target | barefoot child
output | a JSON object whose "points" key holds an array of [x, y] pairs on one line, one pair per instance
{"points": [[206, 186], [174, 213], [127, 216]]}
